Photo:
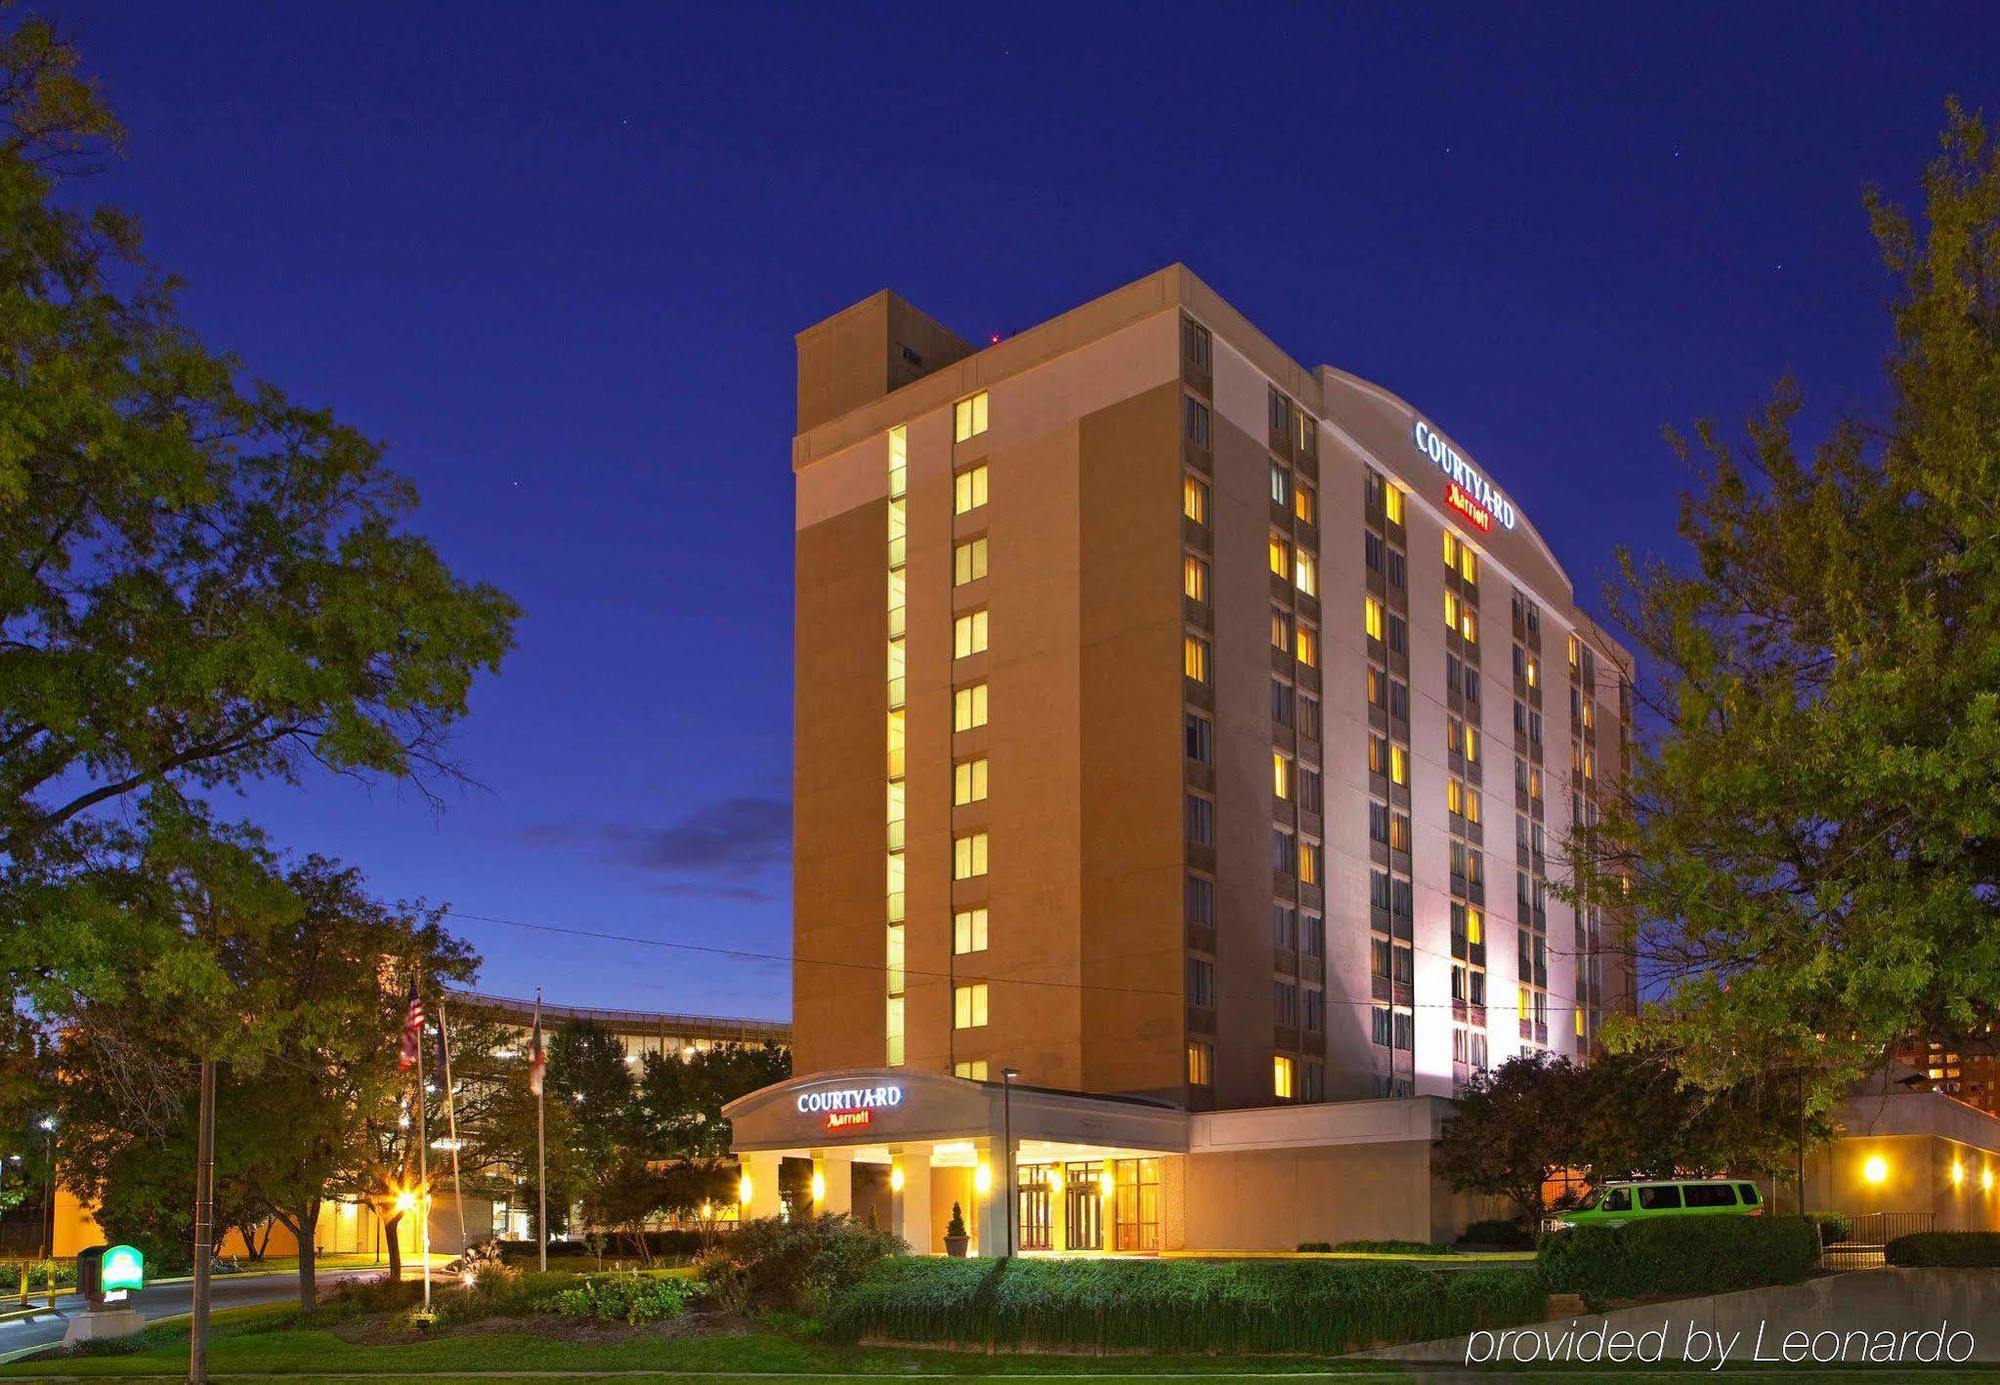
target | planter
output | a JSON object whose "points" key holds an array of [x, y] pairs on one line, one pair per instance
{"points": [[955, 1246]]}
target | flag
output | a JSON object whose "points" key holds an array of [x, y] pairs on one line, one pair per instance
{"points": [[538, 1061], [413, 1031]]}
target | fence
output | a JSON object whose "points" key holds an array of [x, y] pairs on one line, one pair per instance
{"points": [[1855, 1241]]}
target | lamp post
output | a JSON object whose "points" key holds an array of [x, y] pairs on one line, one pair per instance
{"points": [[49, 1210], [1007, 1076]]}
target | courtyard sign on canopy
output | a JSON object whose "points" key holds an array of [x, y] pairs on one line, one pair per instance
{"points": [[850, 1108], [1469, 492]]}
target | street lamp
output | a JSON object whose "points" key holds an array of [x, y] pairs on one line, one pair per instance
{"points": [[49, 1214], [1007, 1076]]}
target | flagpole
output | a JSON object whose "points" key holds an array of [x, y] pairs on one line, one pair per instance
{"points": [[541, 1148], [451, 1115], [423, 1175]]}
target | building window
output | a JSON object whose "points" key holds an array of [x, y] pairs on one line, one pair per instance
{"points": [[1201, 982], [968, 707], [1311, 862], [1281, 556], [1371, 617], [968, 562], [1281, 1078], [1281, 630], [1281, 774], [1392, 504], [968, 856], [894, 957], [1305, 503], [1200, 737], [1314, 1008], [1399, 765], [968, 931], [1309, 717], [1282, 702], [1308, 645], [973, 1069], [968, 634], [1281, 484], [1312, 935], [1201, 1063], [1196, 343], [1399, 633], [1194, 499], [1285, 1003], [1305, 572], [1309, 790], [1200, 820], [968, 781], [1194, 657], [892, 1023], [1284, 927], [1201, 901], [968, 1006], [969, 417], [968, 489], [1312, 1078], [1381, 1028], [1194, 578], [1194, 418]]}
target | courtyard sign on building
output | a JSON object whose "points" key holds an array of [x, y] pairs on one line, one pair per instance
{"points": [[850, 1108], [1470, 493]]}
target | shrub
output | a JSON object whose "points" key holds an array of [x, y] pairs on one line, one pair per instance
{"points": [[1833, 1227], [1975, 1249], [628, 1298], [792, 1264], [1676, 1257], [1390, 1247], [1506, 1234], [1186, 1305], [1315, 1247]]}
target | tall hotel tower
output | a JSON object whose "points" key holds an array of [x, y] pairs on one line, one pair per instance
{"points": [[1177, 722]]}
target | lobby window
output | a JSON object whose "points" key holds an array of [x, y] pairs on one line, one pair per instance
{"points": [[968, 634], [1371, 617], [1194, 418], [1200, 902], [968, 856], [1392, 504], [968, 781], [1194, 499], [968, 562], [1308, 645], [1201, 982], [1305, 572], [973, 1069], [1201, 820], [1281, 630], [1281, 774], [1281, 556], [1196, 344], [1281, 484], [1194, 657], [1305, 503], [968, 707], [1200, 737], [969, 417], [968, 1006], [893, 1025], [1194, 578], [968, 489], [968, 931], [1281, 1078], [1200, 1063]]}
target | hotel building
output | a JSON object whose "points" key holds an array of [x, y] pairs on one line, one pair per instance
{"points": [[1192, 734]]}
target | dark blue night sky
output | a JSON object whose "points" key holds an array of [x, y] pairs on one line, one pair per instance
{"points": [[555, 256]]}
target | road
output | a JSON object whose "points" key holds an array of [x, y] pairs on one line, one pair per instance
{"points": [[168, 1300]]}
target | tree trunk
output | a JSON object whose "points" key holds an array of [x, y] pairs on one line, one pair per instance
{"points": [[390, 1235], [307, 1235]]}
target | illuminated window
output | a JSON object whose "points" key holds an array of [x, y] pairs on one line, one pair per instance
{"points": [[1534, 670], [1200, 1063], [1451, 610], [1392, 505], [968, 707], [1281, 774], [1194, 499], [1472, 806], [973, 1069], [1468, 564], [1371, 617], [1450, 549], [968, 562], [1281, 556], [896, 743], [1305, 503], [1310, 861], [1308, 645], [968, 634], [968, 1006], [969, 489], [1399, 765], [968, 931], [1194, 578], [968, 781], [968, 856], [969, 417], [1454, 797], [895, 959], [1579, 1021], [1527, 1002], [1475, 927], [893, 1023], [1281, 1078], [1194, 657], [899, 462], [1468, 625], [1281, 485], [1305, 572], [895, 887], [1471, 742], [896, 670], [1574, 647]]}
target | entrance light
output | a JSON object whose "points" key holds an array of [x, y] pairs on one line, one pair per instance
{"points": [[744, 1187], [895, 1178], [819, 1186], [1875, 1170], [1986, 1180], [1108, 1183], [982, 1178], [1957, 1174]]}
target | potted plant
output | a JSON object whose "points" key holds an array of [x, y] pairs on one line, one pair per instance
{"points": [[955, 1239]]}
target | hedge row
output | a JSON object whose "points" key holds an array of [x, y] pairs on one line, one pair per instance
{"points": [[1677, 1257], [1178, 1305], [1976, 1249]]}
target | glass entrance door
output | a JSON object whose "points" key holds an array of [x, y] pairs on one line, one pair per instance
{"points": [[1083, 1206]]}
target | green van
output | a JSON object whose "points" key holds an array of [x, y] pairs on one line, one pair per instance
{"points": [[1615, 1204]]}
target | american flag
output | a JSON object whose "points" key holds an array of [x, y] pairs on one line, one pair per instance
{"points": [[413, 1031], [538, 1061]]}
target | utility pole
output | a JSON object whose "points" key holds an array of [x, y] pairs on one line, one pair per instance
{"points": [[204, 1223]]}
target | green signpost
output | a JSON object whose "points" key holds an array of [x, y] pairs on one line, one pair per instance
{"points": [[124, 1268]]}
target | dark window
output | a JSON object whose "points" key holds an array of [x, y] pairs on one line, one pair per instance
{"points": [[1380, 1026], [1617, 1200], [1200, 820], [1748, 1191], [1371, 550], [1201, 900], [1378, 821], [1312, 935], [1195, 419], [1309, 717], [1281, 702], [1399, 699], [1709, 1195], [1660, 1198], [1396, 569], [1200, 739], [1284, 926], [1201, 982], [1399, 633], [1195, 342]]}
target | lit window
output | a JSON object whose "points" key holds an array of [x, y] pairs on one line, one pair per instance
{"points": [[895, 877], [896, 743], [899, 461], [1281, 774], [1399, 765], [969, 489], [1468, 564], [968, 562], [968, 707], [1534, 671], [1475, 927], [1281, 485], [1451, 610], [1281, 556], [974, 1068], [1309, 862], [968, 634], [1281, 630], [1201, 1064], [1305, 572], [1579, 1021], [1194, 657], [1468, 625], [897, 665], [968, 931], [1194, 578], [968, 856], [969, 418], [893, 1023], [1194, 499], [895, 959], [1392, 504], [1281, 1078], [1472, 806], [968, 781], [1308, 645], [1305, 504], [1471, 742], [1527, 1002], [968, 1006], [1371, 617], [1454, 797], [1450, 549]]}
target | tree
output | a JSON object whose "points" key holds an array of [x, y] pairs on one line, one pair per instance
{"points": [[680, 1096], [1810, 843], [1515, 1128]]}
